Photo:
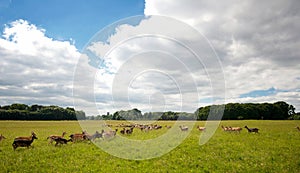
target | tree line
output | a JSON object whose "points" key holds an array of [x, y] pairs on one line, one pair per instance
{"points": [[231, 111], [38, 112], [136, 114], [237, 111]]}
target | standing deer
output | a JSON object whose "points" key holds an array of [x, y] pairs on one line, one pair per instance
{"points": [[24, 141]]}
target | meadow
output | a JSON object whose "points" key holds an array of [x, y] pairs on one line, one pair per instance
{"points": [[275, 149]]}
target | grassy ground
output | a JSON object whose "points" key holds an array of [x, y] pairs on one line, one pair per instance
{"points": [[275, 149]]}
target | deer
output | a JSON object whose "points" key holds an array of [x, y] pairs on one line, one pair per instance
{"points": [[109, 134], [24, 141], [298, 128], [225, 128], [123, 131], [129, 131], [201, 129], [237, 129], [78, 136], [52, 137], [255, 130], [184, 128], [97, 135], [94, 136], [61, 141], [168, 127]]}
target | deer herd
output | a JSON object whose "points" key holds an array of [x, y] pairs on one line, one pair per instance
{"points": [[126, 130]]}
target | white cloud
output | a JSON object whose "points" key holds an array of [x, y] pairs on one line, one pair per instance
{"points": [[257, 42], [153, 67], [35, 69]]}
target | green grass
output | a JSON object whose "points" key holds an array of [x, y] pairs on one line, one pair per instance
{"points": [[275, 149]]}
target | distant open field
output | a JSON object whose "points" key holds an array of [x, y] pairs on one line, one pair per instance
{"points": [[275, 149]]}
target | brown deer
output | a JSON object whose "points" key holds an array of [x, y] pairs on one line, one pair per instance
{"points": [[78, 136], [52, 137], [129, 131], [24, 141], [201, 129], [237, 129], [226, 129]]}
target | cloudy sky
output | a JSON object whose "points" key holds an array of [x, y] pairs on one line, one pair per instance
{"points": [[95, 57]]}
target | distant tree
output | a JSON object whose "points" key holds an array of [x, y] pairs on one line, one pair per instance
{"points": [[133, 114], [185, 116], [34, 108], [80, 115], [18, 106], [278, 110], [6, 107], [117, 116], [202, 113], [107, 117], [38, 112], [291, 110]]}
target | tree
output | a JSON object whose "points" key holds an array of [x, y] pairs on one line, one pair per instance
{"points": [[38, 112], [18, 106], [278, 110], [117, 116], [291, 110], [80, 115]]}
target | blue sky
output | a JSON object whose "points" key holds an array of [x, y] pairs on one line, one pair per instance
{"points": [[75, 19], [257, 44]]}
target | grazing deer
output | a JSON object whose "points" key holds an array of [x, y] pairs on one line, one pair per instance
{"points": [[298, 128], [24, 141]]}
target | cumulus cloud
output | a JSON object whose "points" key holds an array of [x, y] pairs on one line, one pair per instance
{"points": [[257, 42], [153, 66], [35, 69]]}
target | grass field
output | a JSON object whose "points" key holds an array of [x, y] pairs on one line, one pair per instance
{"points": [[275, 149]]}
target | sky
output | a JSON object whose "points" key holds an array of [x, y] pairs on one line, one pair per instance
{"points": [[177, 55]]}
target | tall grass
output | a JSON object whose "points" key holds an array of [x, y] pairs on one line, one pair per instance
{"points": [[275, 149]]}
